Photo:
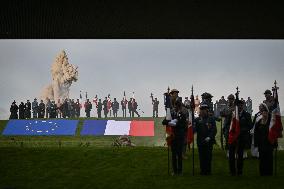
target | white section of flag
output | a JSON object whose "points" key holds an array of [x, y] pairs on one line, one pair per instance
{"points": [[117, 127]]}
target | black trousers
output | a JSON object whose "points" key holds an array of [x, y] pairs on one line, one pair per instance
{"points": [[99, 113], [87, 113], [205, 158], [114, 113], [265, 161], [236, 163], [177, 147]]}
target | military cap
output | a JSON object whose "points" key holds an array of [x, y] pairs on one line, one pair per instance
{"points": [[267, 92], [206, 95], [174, 90]]}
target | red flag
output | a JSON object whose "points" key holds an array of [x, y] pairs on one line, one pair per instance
{"points": [[190, 131], [234, 131], [275, 126]]}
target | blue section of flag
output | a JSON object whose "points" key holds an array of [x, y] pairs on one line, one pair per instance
{"points": [[41, 127], [94, 127]]}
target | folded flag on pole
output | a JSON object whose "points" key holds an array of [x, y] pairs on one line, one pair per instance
{"points": [[112, 127], [275, 126], [41, 127], [234, 131]]}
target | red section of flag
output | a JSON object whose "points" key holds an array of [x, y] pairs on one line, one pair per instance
{"points": [[234, 131], [141, 128], [189, 134], [275, 127]]}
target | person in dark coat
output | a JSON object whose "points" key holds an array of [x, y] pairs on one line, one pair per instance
{"points": [[243, 141], [261, 141], [22, 110], [115, 107], [41, 109], [134, 108], [88, 108], [28, 108], [206, 131], [14, 110], [123, 106], [100, 108], [105, 102], [130, 108]]}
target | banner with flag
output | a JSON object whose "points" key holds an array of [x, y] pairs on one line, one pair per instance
{"points": [[275, 126], [112, 127], [41, 127], [234, 131], [190, 130]]}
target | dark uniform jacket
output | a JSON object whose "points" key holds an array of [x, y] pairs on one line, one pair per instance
{"points": [[205, 127], [182, 122], [245, 127], [261, 135]]}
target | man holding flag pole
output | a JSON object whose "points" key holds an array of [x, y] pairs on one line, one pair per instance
{"points": [[241, 124]]}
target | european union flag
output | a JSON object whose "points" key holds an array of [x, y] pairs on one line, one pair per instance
{"points": [[41, 127]]}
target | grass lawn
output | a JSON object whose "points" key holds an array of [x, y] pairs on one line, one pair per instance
{"points": [[40, 162]]}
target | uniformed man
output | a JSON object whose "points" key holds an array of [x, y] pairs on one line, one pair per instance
{"points": [[65, 110], [28, 108], [41, 109], [14, 110], [115, 107], [88, 107], [237, 147], [99, 108], [206, 131], [179, 125], [123, 106], [134, 108], [227, 114], [105, 103], [22, 110], [35, 108], [269, 100], [207, 98], [155, 104]]}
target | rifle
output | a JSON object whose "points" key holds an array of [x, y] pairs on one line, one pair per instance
{"points": [[275, 95]]}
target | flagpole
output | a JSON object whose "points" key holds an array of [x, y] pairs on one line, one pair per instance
{"points": [[192, 114], [275, 95]]}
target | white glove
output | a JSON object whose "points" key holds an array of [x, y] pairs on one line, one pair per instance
{"points": [[251, 131], [207, 139], [173, 122]]}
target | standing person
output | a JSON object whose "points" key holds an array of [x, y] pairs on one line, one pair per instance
{"points": [[261, 141], [197, 104], [41, 109], [22, 111], [59, 109], [99, 108], [115, 107], [155, 107], [109, 103], [77, 108], [48, 104], [88, 107], [206, 132], [269, 100], [236, 147], [179, 125], [123, 106], [105, 103], [134, 108], [65, 111], [227, 113], [35, 108], [14, 110], [28, 108], [130, 109], [249, 105], [53, 109]]}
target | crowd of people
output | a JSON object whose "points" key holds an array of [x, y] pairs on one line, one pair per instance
{"points": [[69, 108], [252, 134]]}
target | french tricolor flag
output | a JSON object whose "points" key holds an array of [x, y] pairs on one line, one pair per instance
{"points": [[112, 127]]}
